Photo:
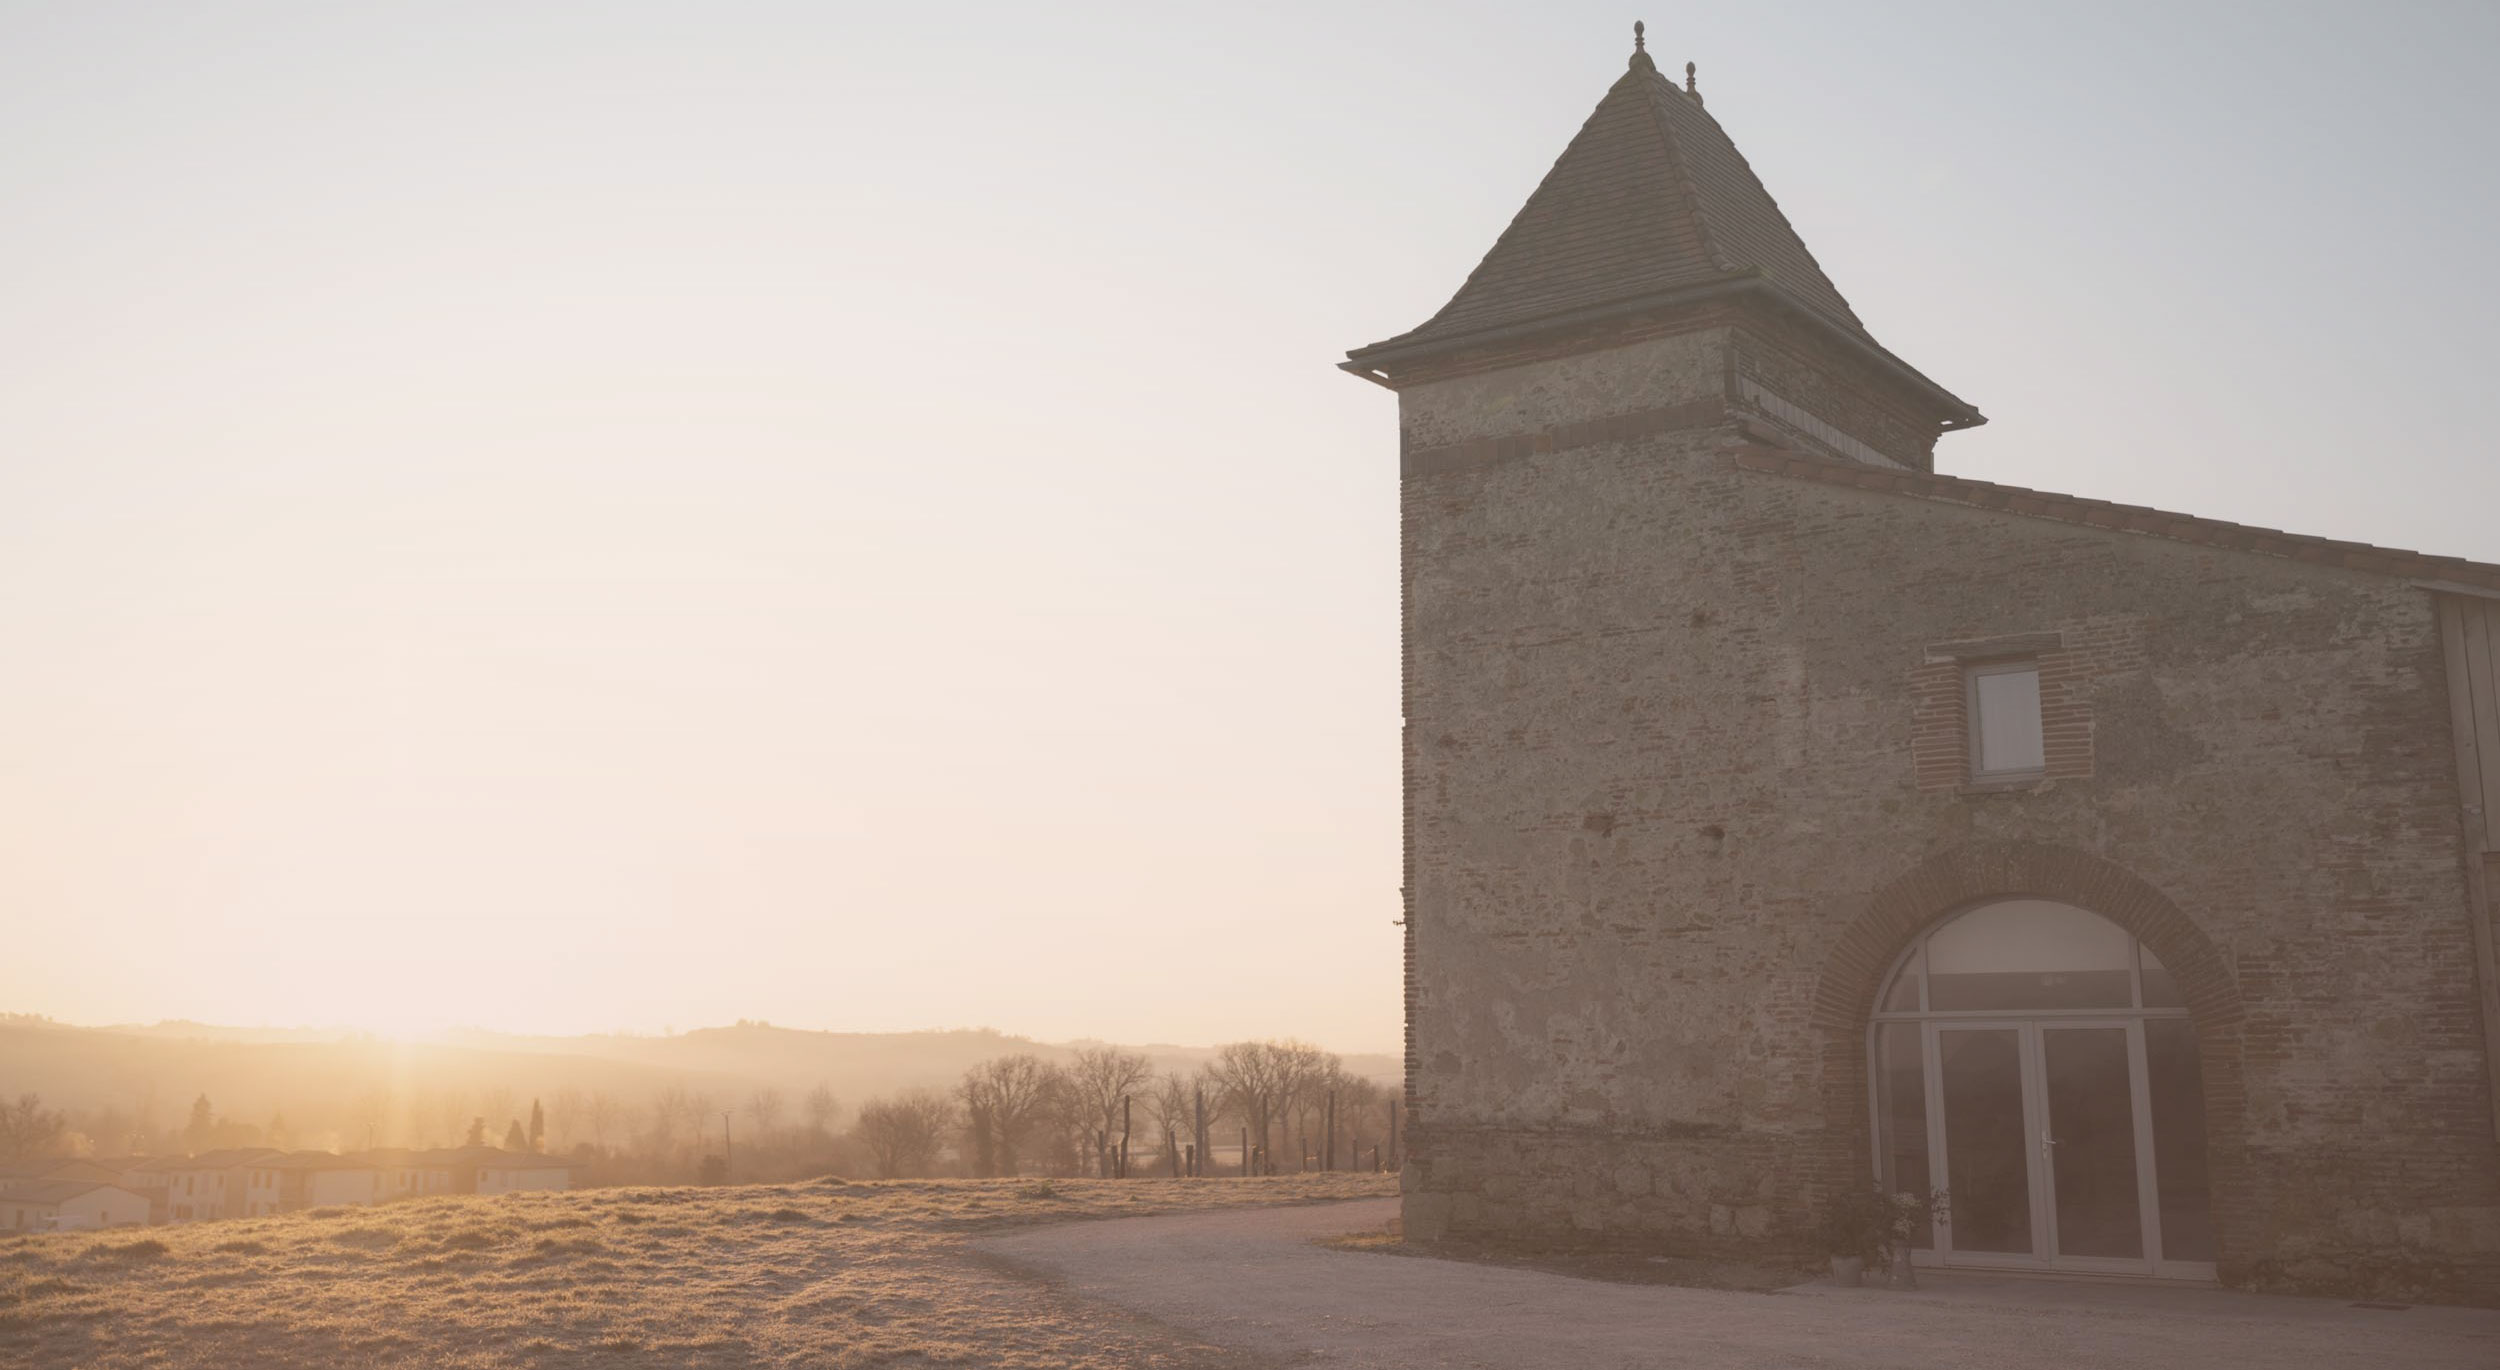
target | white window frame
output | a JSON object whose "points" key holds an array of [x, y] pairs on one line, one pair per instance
{"points": [[1971, 674]]}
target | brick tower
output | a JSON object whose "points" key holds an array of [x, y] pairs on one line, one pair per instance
{"points": [[1746, 760]]}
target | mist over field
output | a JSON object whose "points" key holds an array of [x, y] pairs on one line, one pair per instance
{"points": [[133, 1088]]}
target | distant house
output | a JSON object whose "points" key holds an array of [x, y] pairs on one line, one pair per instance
{"points": [[493, 1170], [318, 1179], [68, 1205], [64, 1168], [411, 1174], [234, 1183], [507, 1172], [153, 1177], [252, 1182]]}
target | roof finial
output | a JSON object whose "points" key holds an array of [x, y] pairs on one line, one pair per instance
{"points": [[1691, 87], [1639, 43]]}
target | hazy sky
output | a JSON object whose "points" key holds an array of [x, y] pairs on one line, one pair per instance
{"points": [[571, 516]]}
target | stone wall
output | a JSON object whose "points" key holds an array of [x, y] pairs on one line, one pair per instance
{"points": [[1660, 776]]}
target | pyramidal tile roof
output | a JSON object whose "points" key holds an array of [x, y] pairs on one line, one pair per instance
{"points": [[1650, 197]]}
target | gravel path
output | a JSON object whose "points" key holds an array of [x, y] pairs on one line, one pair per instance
{"points": [[1252, 1280]]}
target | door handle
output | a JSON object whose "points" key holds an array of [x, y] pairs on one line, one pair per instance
{"points": [[2047, 1142]]}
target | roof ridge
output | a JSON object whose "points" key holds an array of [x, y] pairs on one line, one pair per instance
{"points": [[1688, 188], [1849, 312], [2196, 529]]}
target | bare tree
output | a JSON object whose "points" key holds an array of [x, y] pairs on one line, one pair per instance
{"points": [[903, 1133], [28, 1129], [671, 1109], [453, 1106], [1247, 1073], [1324, 1078], [1004, 1099], [1361, 1121], [605, 1112], [498, 1106], [703, 1110], [820, 1108], [372, 1112], [565, 1119], [1261, 1080], [1171, 1105], [1098, 1080], [764, 1110]]}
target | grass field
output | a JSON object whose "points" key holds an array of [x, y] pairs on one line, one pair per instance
{"points": [[821, 1274]]}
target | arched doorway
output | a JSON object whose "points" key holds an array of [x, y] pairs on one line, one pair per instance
{"points": [[2038, 1062]]}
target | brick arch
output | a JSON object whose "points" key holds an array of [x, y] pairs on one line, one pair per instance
{"points": [[1952, 880], [1957, 878]]}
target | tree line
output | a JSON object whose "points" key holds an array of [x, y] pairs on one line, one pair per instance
{"points": [[1258, 1106], [1265, 1105]]}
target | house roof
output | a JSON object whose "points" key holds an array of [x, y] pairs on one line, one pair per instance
{"points": [[64, 1168], [2123, 518], [49, 1191], [1650, 202], [229, 1157], [492, 1155], [325, 1160], [58, 1164]]}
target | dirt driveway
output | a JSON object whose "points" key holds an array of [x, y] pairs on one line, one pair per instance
{"points": [[1252, 1280]]}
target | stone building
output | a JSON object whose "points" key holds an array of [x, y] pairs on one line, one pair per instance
{"points": [[1782, 814]]}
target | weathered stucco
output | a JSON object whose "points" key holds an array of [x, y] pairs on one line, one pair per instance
{"points": [[1659, 715]]}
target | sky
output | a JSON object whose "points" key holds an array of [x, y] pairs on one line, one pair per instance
{"points": [[572, 517]]}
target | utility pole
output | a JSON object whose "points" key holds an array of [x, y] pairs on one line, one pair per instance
{"points": [[728, 1153]]}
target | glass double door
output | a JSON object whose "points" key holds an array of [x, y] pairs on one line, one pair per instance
{"points": [[2048, 1146]]}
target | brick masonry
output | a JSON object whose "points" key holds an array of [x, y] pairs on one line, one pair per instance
{"points": [[1684, 774]]}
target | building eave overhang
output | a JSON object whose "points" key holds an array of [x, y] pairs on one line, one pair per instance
{"points": [[1377, 362]]}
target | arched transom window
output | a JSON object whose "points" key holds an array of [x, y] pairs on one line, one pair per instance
{"points": [[2029, 956]]}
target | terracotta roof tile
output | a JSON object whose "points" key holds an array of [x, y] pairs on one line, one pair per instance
{"points": [[1991, 497]]}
